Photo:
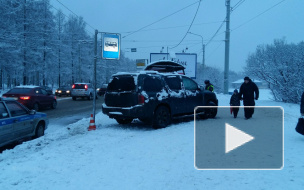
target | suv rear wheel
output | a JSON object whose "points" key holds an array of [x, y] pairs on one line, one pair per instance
{"points": [[124, 121], [162, 117]]}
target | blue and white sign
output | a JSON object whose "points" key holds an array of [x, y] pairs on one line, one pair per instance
{"points": [[110, 46]]}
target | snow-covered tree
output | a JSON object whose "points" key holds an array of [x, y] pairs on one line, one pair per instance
{"points": [[281, 66]]}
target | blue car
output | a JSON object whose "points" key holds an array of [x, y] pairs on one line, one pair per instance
{"points": [[17, 122]]}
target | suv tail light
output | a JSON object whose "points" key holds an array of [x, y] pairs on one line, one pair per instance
{"points": [[24, 97], [141, 99], [86, 87], [73, 86]]}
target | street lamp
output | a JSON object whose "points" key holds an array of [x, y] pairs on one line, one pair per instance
{"points": [[203, 46]]}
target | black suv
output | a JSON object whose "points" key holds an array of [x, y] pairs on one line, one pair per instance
{"points": [[155, 98]]}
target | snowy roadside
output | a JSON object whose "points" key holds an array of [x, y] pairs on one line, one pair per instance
{"points": [[138, 157]]}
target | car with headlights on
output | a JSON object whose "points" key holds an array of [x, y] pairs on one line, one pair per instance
{"points": [[18, 122], [102, 90], [63, 91]]}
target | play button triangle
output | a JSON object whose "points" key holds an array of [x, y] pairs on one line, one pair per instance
{"points": [[235, 138]]}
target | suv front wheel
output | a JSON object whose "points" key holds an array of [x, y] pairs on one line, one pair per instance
{"points": [[162, 117], [211, 112]]}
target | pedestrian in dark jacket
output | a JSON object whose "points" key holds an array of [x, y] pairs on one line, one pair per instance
{"points": [[209, 86], [302, 105], [248, 92], [235, 101]]}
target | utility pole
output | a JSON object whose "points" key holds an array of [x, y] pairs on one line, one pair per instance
{"points": [[227, 41]]}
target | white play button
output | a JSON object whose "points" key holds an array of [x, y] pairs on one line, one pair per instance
{"points": [[235, 138]]}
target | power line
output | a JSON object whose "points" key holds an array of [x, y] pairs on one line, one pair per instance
{"points": [[215, 49], [67, 16], [175, 26], [258, 15], [75, 14], [216, 31], [189, 26], [237, 5], [161, 19]]}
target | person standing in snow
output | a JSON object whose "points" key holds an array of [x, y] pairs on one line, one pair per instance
{"points": [[248, 92], [209, 86], [235, 101], [302, 105]]}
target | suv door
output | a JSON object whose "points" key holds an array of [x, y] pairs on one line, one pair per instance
{"points": [[6, 128], [22, 122], [153, 86], [194, 96], [177, 95]]}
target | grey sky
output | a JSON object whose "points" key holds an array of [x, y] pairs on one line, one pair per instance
{"points": [[124, 16]]}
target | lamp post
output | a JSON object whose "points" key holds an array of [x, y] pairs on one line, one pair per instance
{"points": [[203, 47]]}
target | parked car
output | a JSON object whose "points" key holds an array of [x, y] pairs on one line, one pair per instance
{"points": [[155, 98], [63, 91], [47, 89], [82, 90], [102, 90], [17, 122], [33, 97]]}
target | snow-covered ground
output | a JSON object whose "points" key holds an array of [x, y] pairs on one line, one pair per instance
{"points": [[138, 157]]}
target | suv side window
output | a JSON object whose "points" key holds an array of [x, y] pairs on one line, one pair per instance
{"points": [[173, 82], [3, 111], [189, 84], [152, 84], [16, 109]]}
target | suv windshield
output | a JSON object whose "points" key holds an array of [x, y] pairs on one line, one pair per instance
{"points": [[122, 83]]}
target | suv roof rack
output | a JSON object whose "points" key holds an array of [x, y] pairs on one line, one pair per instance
{"points": [[165, 66]]}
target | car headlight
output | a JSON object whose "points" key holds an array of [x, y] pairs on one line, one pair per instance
{"points": [[68, 91], [59, 91], [56, 91]]}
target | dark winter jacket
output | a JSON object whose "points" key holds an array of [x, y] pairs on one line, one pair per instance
{"points": [[235, 100], [209, 87], [247, 92], [302, 103]]}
